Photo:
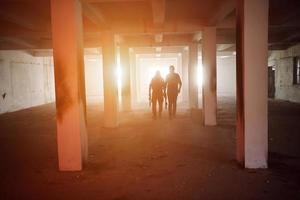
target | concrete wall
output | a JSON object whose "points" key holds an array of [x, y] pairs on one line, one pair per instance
{"points": [[25, 81], [93, 78], [283, 63], [226, 76]]}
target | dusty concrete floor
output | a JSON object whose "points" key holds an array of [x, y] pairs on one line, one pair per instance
{"points": [[146, 159]]}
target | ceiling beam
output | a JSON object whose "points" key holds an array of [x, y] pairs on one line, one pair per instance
{"points": [[224, 47], [293, 37], [164, 50], [119, 39], [25, 33], [94, 15], [197, 37], [168, 40], [19, 20], [153, 44], [280, 46], [158, 38], [225, 8], [112, 1], [29, 52], [42, 53], [144, 27], [18, 41], [158, 12], [138, 27], [49, 52]]}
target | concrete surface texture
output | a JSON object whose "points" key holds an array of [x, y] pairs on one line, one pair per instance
{"points": [[226, 74], [209, 85], [282, 61], [25, 81], [146, 159], [143, 22], [252, 82]]}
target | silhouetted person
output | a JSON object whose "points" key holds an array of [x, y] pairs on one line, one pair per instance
{"points": [[173, 87], [156, 93]]}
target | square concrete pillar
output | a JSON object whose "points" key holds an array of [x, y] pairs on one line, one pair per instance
{"points": [[193, 87], [252, 83], [133, 81], [209, 63], [67, 39], [110, 83], [185, 74], [126, 87]]}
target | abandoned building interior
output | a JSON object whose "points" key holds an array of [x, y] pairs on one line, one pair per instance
{"points": [[75, 121]]}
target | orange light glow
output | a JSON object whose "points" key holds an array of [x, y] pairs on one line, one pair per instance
{"points": [[199, 74], [119, 77]]}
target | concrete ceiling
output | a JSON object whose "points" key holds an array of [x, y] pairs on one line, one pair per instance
{"points": [[26, 24]]}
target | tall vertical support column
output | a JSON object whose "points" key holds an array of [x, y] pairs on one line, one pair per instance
{"points": [[193, 64], [133, 91], [138, 76], [185, 80], [126, 89], [67, 39], [110, 80], [209, 63], [252, 85]]}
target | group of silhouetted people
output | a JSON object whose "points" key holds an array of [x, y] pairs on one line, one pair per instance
{"points": [[168, 90]]}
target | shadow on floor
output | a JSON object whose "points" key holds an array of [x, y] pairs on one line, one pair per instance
{"points": [[146, 159]]}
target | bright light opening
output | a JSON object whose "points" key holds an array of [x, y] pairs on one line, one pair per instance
{"points": [[146, 69], [199, 74], [119, 78], [152, 71]]}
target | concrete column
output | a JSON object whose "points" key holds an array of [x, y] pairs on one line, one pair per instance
{"points": [[209, 63], [126, 89], [67, 39], [133, 91], [138, 77], [110, 81], [185, 80], [252, 85], [180, 71], [193, 64]]}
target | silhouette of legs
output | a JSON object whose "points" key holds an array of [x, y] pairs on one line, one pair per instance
{"points": [[174, 108], [160, 107], [172, 98], [154, 107], [157, 99]]}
